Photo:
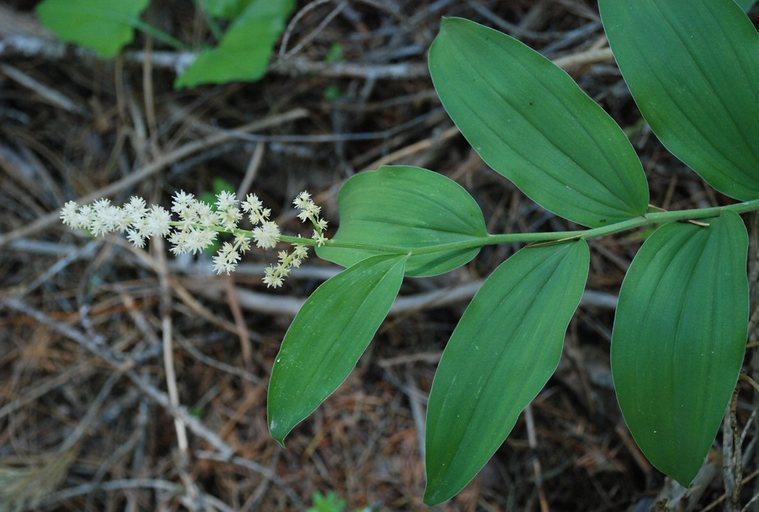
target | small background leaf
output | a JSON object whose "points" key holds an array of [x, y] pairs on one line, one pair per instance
{"points": [[692, 67], [679, 339], [101, 25], [532, 123], [327, 338], [407, 207], [245, 50], [226, 9], [505, 348]]}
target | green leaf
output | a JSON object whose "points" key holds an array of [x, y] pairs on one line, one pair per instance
{"points": [[532, 123], [679, 338], [746, 5], [332, 93], [693, 68], [500, 356], [101, 25], [330, 503], [328, 336], [227, 9], [335, 54], [221, 185], [245, 50], [408, 208]]}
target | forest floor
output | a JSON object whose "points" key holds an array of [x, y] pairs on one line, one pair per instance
{"points": [[86, 417]]}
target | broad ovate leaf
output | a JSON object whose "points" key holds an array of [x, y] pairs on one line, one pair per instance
{"points": [[245, 50], [408, 208], [101, 25], [327, 338], [693, 68], [505, 348], [533, 124], [679, 338]]}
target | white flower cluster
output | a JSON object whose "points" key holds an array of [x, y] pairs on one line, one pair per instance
{"points": [[134, 218], [198, 226], [310, 211], [275, 275]]}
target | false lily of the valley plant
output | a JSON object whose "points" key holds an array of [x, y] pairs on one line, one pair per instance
{"points": [[681, 324]]}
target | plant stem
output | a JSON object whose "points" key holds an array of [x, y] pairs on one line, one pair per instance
{"points": [[659, 217], [158, 34], [587, 234]]}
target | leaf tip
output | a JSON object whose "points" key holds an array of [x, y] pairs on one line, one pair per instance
{"points": [[442, 483], [279, 431], [433, 496], [684, 480], [450, 22], [684, 471]]}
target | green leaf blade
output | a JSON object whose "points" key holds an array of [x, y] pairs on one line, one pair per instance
{"points": [[225, 9], [104, 26], [406, 207], [679, 338], [245, 50], [692, 67], [505, 348], [328, 336], [533, 124]]}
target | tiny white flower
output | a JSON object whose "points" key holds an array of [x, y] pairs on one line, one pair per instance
{"points": [[259, 216], [123, 222], [69, 214], [158, 222], [266, 235], [242, 243], [182, 202], [229, 218], [319, 237], [226, 200], [251, 203], [135, 209], [253, 206], [302, 199], [202, 213], [301, 252], [136, 238], [178, 241], [101, 204], [141, 227], [197, 240], [272, 279], [226, 259], [105, 218], [84, 217]]}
